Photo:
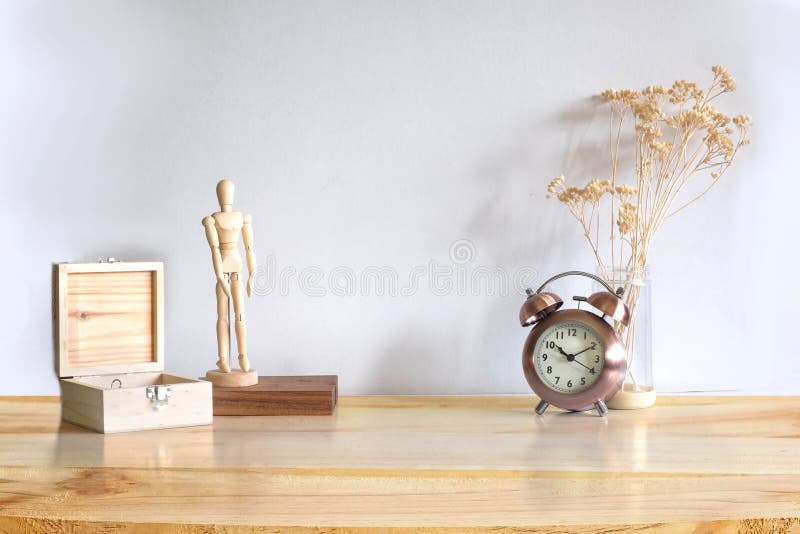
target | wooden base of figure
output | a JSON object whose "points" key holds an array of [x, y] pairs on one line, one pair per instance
{"points": [[280, 395], [235, 379]]}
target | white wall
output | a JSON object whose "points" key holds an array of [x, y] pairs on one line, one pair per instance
{"points": [[378, 134]]}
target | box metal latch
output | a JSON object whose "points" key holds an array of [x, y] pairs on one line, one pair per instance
{"points": [[159, 396]]}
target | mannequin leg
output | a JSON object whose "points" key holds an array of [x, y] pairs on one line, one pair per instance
{"points": [[223, 329], [237, 291]]}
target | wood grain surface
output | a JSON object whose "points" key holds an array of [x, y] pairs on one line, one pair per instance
{"points": [[110, 318], [279, 395], [413, 464]]}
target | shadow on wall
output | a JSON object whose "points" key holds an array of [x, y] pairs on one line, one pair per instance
{"points": [[582, 153], [524, 168], [409, 362]]}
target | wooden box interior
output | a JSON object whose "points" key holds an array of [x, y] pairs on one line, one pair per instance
{"points": [[110, 318], [130, 380]]}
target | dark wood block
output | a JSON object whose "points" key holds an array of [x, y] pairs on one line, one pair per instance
{"points": [[280, 395]]}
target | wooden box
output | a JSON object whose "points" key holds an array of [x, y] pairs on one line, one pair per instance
{"points": [[110, 345]]}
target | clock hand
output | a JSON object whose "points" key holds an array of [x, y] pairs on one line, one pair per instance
{"points": [[590, 347], [571, 357], [577, 361]]}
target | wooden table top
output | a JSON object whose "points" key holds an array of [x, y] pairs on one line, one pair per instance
{"points": [[412, 463]]}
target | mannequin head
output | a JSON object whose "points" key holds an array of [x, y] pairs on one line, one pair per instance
{"points": [[225, 195]]}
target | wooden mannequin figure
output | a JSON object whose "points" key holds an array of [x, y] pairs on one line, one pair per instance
{"points": [[222, 231]]}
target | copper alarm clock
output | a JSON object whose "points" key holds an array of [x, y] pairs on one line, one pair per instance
{"points": [[573, 359]]}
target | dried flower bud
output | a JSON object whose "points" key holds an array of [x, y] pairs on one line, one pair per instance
{"points": [[741, 121], [627, 218], [646, 111], [726, 81], [626, 96], [554, 185], [625, 190], [655, 90], [682, 91]]}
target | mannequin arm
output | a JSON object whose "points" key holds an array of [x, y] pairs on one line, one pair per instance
{"points": [[216, 257], [247, 237]]}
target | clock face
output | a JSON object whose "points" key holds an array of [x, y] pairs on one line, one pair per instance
{"points": [[569, 357]]}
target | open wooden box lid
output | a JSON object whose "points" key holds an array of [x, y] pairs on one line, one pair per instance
{"points": [[110, 318]]}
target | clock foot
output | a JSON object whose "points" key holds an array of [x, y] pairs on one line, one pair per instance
{"points": [[601, 408], [541, 407]]}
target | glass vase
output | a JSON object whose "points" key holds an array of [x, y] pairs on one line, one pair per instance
{"points": [[638, 390]]}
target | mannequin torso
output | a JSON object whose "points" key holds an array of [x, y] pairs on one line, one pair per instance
{"points": [[229, 228]]}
